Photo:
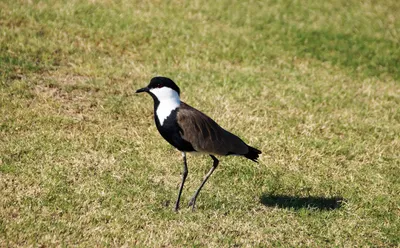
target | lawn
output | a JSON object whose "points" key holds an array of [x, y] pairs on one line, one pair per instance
{"points": [[315, 85]]}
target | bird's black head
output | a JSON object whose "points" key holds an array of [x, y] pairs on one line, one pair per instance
{"points": [[158, 83]]}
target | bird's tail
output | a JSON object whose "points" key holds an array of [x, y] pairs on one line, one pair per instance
{"points": [[253, 154]]}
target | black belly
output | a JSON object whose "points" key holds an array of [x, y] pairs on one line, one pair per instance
{"points": [[171, 132]]}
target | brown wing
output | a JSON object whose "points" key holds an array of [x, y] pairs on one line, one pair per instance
{"points": [[207, 136]]}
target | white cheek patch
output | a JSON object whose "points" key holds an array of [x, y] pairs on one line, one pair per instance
{"points": [[169, 101]]}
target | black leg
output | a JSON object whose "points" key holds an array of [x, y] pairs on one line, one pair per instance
{"points": [[184, 175], [215, 164]]}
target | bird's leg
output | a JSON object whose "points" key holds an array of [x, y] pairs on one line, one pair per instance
{"points": [[215, 164], [184, 175]]}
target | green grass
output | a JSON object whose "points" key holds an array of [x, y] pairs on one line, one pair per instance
{"points": [[314, 84]]}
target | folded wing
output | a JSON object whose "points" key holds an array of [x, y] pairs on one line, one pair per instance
{"points": [[206, 135]]}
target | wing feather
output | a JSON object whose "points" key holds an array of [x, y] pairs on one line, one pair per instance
{"points": [[206, 135]]}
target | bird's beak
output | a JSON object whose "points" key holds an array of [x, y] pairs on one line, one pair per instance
{"points": [[145, 89]]}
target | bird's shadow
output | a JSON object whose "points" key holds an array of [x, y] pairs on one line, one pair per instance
{"points": [[297, 202]]}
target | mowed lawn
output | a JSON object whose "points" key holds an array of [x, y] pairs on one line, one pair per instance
{"points": [[315, 85]]}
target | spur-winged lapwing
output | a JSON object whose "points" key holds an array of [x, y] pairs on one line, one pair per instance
{"points": [[189, 130]]}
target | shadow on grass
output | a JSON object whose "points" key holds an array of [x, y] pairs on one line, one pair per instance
{"points": [[371, 56], [296, 202]]}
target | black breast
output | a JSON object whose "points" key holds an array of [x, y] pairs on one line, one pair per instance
{"points": [[171, 132]]}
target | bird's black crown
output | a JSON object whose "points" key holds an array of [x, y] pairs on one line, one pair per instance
{"points": [[159, 82]]}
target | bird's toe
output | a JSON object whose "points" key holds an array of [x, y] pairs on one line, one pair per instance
{"points": [[192, 203]]}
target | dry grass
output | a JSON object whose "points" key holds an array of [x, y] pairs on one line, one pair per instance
{"points": [[314, 85]]}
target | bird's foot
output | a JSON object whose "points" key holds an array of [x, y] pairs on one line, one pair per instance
{"points": [[192, 203], [176, 209]]}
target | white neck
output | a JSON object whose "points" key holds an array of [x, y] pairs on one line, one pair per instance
{"points": [[169, 101]]}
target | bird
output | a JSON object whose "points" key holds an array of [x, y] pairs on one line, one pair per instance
{"points": [[189, 130]]}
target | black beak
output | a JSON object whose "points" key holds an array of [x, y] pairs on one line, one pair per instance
{"points": [[145, 89]]}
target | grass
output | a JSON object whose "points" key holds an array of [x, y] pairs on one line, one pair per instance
{"points": [[314, 84]]}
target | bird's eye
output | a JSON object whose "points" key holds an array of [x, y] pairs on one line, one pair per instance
{"points": [[159, 86]]}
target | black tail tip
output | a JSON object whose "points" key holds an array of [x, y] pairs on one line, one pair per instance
{"points": [[253, 154]]}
